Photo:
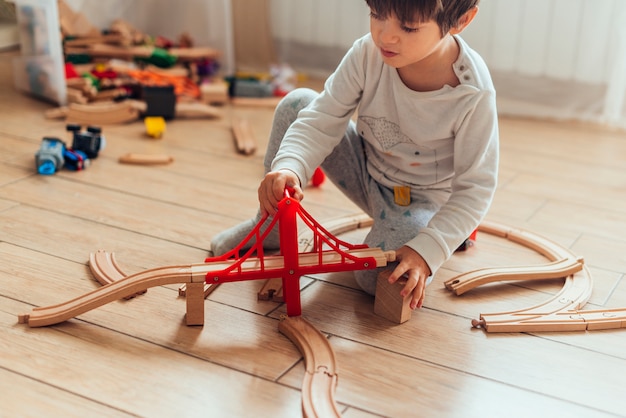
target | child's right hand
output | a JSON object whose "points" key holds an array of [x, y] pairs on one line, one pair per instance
{"points": [[272, 190]]}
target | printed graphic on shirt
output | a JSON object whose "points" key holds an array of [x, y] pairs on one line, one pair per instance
{"points": [[386, 133], [399, 152]]}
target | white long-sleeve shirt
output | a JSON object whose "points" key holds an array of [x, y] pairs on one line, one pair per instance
{"points": [[443, 141]]}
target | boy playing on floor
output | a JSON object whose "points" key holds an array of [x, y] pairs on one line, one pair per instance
{"points": [[422, 157]]}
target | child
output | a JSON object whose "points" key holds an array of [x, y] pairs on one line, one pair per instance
{"points": [[422, 157]]}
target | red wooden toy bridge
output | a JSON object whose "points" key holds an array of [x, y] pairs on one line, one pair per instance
{"points": [[329, 254]]}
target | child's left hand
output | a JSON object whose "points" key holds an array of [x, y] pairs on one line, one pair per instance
{"points": [[412, 266]]}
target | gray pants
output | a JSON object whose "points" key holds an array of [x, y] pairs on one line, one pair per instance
{"points": [[393, 225]]}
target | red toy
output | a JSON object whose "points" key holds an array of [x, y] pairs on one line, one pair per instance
{"points": [[318, 177], [328, 254], [339, 255]]}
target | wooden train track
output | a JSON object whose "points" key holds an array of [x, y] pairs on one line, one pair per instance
{"points": [[320, 377], [562, 312], [105, 270], [190, 273]]}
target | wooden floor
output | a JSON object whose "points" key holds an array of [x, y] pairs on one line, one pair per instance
{"points": [[138, 358]]}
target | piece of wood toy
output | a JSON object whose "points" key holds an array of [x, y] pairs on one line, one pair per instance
{"points": [[320, 377], [208, 289], [144, 51], [269, 102], [231, 267], [105, 270], [554, 270], [388, 302], [108, 113], [197, 110], [245, 140], [101, 113], [145, 159], [194, 294], [562, 312], [214, 92], [73, 23], [75, 96], [328, 254], [102, 38], [130, 34], [559, 313]]}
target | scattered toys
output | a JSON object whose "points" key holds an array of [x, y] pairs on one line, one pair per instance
{"points": [[75, 160], [318, 177], [89, 142], [160, 101], [49, 159], [155, 126], [53, 154]]}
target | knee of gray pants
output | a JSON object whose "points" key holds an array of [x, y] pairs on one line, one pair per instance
{"points": [[285, 114], [366, 279], [295, 100]]}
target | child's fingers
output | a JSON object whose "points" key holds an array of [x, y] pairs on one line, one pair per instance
{"points": [[417, 299]]}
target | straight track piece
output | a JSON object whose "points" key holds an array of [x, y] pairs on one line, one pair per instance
{"points": [[245, 140]]}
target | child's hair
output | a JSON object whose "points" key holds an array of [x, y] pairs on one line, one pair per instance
{"points": [[445, 12]]}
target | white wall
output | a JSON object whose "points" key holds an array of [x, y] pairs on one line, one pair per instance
{"points": [[561, 58]]}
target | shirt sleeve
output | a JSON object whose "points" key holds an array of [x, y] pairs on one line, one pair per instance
{"points": [[321, 125], [476, 158]]}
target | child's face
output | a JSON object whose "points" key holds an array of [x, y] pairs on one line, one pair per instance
{"points": [[404, 44]]}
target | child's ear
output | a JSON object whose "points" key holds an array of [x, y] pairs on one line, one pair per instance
{"points": [[465, 20]]}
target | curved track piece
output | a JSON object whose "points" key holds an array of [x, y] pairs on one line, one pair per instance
{"points": [[103, 114], [562, 262], [105, 269], [554, 270], [559, 313], [119, 289], [320, 378]]}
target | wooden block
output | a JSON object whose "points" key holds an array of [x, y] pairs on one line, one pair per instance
{"points": [[388, 302], [195, 303], [215, 92]]}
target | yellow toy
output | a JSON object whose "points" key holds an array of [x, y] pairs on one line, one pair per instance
{"points": [[155, 126]]}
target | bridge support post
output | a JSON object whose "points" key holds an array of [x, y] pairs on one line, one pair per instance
{"points": [[288, 230], [195, 303]]}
